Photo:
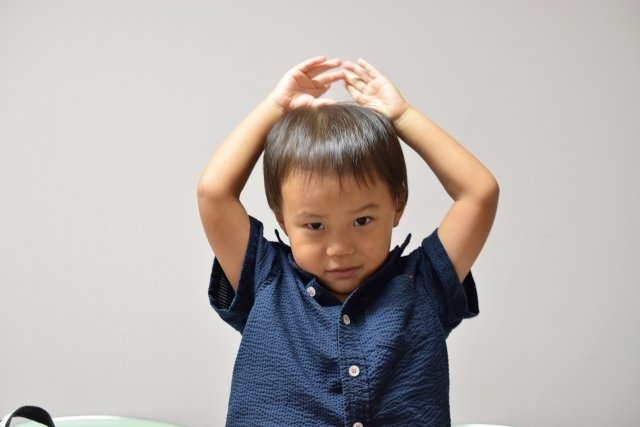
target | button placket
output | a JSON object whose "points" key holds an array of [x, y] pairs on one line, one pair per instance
{"points": [[346, 319], [354, 371], [353, 365]]}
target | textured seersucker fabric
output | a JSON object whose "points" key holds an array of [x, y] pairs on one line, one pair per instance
{"points": [[296, 354]]}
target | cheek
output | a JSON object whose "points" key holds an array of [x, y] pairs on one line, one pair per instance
{"points": [[375, 249], [307, 255], [376, 245]]}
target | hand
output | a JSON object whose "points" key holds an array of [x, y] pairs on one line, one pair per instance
{"points": [[304, 84], [371, 89]]}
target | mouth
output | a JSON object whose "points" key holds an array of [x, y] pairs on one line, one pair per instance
{"points": [[343, 273]]}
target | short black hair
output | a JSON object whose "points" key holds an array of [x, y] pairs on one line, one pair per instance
{"points": [[342, 140]]}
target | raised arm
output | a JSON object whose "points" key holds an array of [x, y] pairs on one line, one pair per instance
{"points": [[474, 190], [224, 219]]}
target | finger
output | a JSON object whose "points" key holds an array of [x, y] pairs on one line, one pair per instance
{"points": [[323, 101], [369, 68], [355, 93], [358, 70], [321, 68], [321, 90], [310, 63], [355, 81], [327, 79]]}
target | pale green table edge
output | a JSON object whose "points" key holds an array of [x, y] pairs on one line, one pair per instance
{"points": [[477, 425], [97, 421], [111, 421]]}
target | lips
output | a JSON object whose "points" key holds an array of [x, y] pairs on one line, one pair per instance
{"points": [[343, 273]]}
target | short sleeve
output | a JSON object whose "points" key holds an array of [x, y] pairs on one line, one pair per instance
{"points": [[259, 267], [458, 300]]}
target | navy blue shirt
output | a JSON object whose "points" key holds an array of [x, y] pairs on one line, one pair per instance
{"points": [[307, 359]]}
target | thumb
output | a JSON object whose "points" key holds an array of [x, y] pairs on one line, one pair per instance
{"points": [[323, 101]]}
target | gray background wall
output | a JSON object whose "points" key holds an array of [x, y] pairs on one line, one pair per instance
{"points": [[110, 109]]}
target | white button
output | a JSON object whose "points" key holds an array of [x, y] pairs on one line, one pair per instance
{"points": [[346, 319], [354, 371], [358, 425], [311, 291]]}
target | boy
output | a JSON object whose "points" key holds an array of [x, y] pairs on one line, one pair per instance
{"points": [[335, 329]]}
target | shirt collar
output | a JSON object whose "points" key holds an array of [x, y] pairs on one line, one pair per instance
{"points": [[376, 280], [380, 278]]}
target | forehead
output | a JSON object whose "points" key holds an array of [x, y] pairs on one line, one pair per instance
{"points": [[328, 193]]}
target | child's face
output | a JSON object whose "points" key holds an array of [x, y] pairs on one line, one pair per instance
{"points": [[339, 234]]}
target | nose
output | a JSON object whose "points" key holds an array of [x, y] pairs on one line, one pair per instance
{"points": [[340, 246]]}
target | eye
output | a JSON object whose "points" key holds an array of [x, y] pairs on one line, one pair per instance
{"points": [[362, 221], [315, 226]]}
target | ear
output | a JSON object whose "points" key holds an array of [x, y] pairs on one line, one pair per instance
{"points": [[399, 207], [280, 219]]}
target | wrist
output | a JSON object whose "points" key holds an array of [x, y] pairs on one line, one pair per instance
{"points": [[404, 119], [279, 100], [272, 108]]}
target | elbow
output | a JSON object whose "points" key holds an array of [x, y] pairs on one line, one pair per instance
{"points": [[207, 192], [491, 191], [203, 191], [211, 194], [487, 191]]}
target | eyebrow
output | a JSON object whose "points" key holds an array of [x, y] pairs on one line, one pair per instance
{"points": [[307, 214], [365, 207]]}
